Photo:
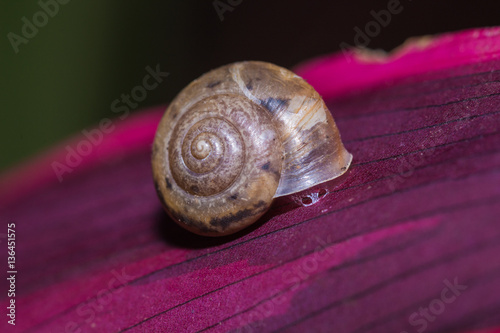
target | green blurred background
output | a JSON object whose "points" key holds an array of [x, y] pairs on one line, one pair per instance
{"points": [[65, 78]]}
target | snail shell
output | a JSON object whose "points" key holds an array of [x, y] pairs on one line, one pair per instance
{"points": [[236, 138]]}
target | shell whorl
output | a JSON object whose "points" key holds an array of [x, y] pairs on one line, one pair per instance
{"points": [[207, 153], [236, 138]]}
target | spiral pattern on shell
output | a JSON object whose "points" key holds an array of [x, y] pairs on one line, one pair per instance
{"points": [[207, 154], [236, 138]]}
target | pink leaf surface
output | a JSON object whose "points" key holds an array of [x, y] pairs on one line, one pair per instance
{"points": [[418, 211]]}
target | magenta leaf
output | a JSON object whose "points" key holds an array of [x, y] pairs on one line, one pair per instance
{"points": [[407, 242]]}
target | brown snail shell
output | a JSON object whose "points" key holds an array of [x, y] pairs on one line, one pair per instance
{"points": [[236, 138]]}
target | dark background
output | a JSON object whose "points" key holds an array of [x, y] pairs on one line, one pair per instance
{"points": [[65, 78]]}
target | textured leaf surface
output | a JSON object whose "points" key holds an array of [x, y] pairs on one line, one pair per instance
{"points": [[419, 208]]}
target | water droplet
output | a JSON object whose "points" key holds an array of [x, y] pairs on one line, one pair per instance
{"points": [[309, 198]]}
